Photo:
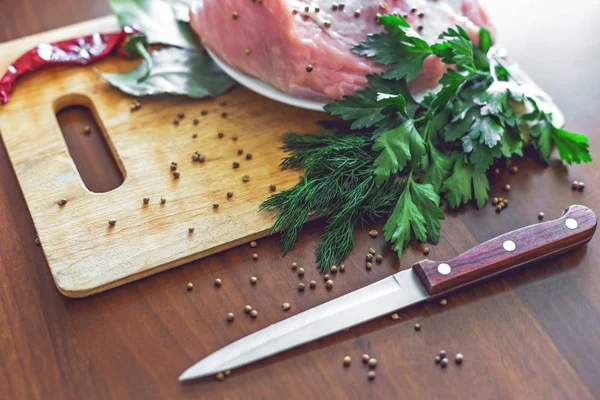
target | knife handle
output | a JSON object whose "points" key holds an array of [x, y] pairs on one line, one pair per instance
{"points": [[514, 249]]}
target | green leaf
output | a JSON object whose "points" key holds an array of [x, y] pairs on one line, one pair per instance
{"points": [[541, 137], [440, 167], [485, 40], [175, 71], [135, 46], [455, 48], [397, 147], [451, 83], [572, 147], [393, 86], [362, 108], [156, 19], [396, 101], [465, 179], [417, 212], [401, 48]]}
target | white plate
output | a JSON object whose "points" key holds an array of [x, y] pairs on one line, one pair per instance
{"points": [[264, 89]]}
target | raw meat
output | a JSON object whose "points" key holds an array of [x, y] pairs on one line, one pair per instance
{"points": [[276, 40]]}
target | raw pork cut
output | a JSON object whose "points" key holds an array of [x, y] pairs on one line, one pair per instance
{"points": [[277, 40]]}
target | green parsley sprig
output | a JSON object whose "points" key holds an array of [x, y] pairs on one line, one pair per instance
{"points": [[397, 156]]}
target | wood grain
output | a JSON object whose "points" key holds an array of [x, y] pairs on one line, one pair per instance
{"points": [[531, 334], [84, 253], [534, 243]]}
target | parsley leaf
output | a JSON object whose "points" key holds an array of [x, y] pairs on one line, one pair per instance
{"points": [[440, 167], [397, 147], [465, 179], [362, 108], [455, 48], [418, 212], [572, 147]]}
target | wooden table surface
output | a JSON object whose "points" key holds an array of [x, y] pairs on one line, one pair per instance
{"points": [[531, 334]]}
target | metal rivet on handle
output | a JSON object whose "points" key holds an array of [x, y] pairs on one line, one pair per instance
{"points": [[509, 245], [571, 223], [444, 269]]}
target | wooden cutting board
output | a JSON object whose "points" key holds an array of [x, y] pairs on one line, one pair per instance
{"points": [[84, 253]]}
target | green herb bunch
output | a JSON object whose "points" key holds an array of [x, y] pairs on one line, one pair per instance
{"points": [[395, 156]]}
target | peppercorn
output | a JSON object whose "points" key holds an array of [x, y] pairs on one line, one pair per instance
{"points": [[369, 257], [442, 353], [327, 24], [309, 68], [443, 302], [334, 269], [196, 122], [342, 6], [247, 51], [87, 130], [224, 115], [195, 157], [426, 250], [234, 15], [272, 187], [191, 229], [230, 316], [505, 201], [255, 256], [253, 280], [175, 122], [507, 187], [249, 156], [236, 164], [253, 244], [373, 362], [395, 316], [459, 358], [285, 306], [326, 277], [540, 215], [220, 135], [438, 359], [254, 313], [112, 222], [498, 208], [176, 174], [228, 372], [234, 138], [229, 194], [378, 258], [581, 186], [514, 169], [204, 112], [334, 7], [347, 361], [342, 268], [313, 284], [163, 200], [220, 376], [294, 11], [495, 201], [372, 250], [444, 363], [218, 282], [497, 171], [247, 309], [417, 327], [300, 272], [240, 152], [301, 287], [413, 10], [369, 265], [190, 286], [420, 28], [365, 358], [373, 233], [181, 115], [421, 15], [371, 375], [356, 14], [215, 205], [294, 265], [329, 284], [201, 158], [317, 9], [245, 178]]}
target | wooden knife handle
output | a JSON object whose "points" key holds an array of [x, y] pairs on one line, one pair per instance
{"points": [[511, 250]]}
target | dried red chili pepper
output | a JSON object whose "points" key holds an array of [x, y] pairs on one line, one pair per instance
{"points": [[77, 51]]}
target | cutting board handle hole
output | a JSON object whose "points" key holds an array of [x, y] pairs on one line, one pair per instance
{"points": [[90, 147]]}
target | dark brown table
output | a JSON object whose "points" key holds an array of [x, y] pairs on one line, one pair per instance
{"points": [[531, 334]]}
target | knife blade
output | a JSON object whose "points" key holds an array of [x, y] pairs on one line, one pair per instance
{"points": [[426, 280]]}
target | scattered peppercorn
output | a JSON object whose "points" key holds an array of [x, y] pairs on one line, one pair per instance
{"points": [[245, 178], [365, 358], [163, 200], [327, 24], [294, 265], [176, 174], [247, 309], [373, 362], [286, 306], [253, 280], [87, 130], [173, 166], [204, 112], [247, 52], [372, 250], [294, 11], [300, 272], [236, 164], [229, 194], [181, 115], [395, 316], [272, 187], [326, 277], [420, 28], [507, 187], [240, 152], [442, 353], [313, 284], [112, 222], [220, 376], [201, 158], [230, 316], [190, 286], [369, 257], [309, 68], [253, 244], [498, 208], [368, 265], [357, 14], [505, 201], [494, 201], [514, 169], [175, 122], [497, 171], [438, 359], [220, 135], [215, 205], [334, 7], [581, 186], [255, 256], [371, 375], [373, 233], [249, 156], [334, 269], [417, 327], [317, 9], [224, 115], [540, 215], [329, 284], [234, 138], [234, 15], [301, 287], [421, 15], [191, 229], [444, 363], [426, 250], [37, 241], [378, 258], [254, 313], [443, 302], [347, 361], [61, 202], [218, 282], [342, 6], [459, 358], [196, 122], [342, 268]]}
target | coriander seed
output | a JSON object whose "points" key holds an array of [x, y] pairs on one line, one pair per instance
{"points": [[112, 222], [417, 327], [495, 201], [272, 187], [87, 130], [255, 256], [329, 284], [342, 268], [220, 376], [313, 284], [301, 287], [325, 277], [369, 257], [228, 372], [371, 375], [309, 68], [497, 171], [294, 265], [373, 233], [459, 358], [234, 15], [507, 187], [372, 250], [300, 272], [498, 208], [378, 258], [540, 216], [190, 286], [395, 317], [514, 169], [253, 244], [286, 306], [369, 265], [347, 361], [442, 353], [581, 186], [218, 282], [230, 316], [438, 359], [334, 269], [365, 358], [443, 302], [426, 250], [245, 178], [249, 156], [372, 362], [444, 363], [254, 313], [247, 51], [253, 280], [248, 309]]}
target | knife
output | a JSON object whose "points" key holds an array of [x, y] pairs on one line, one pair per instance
{"points": [[426, 280]]}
